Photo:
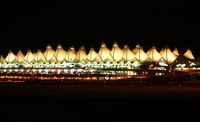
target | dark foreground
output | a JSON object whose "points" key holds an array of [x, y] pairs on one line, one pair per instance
{"points": [[90, 102]]}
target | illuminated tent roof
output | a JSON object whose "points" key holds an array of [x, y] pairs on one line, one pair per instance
{"points": [[10, 57], [29, 56], [109, 59], [104, 52], [188, 54], [2, 60], [154, 55], [167, 55], [140, 54], [49, 53], [116, 52], [93, 56], [20, 57], [175, 52], [135, 50], [71, 55], [113, 56], [162, 51], [60, 53], [53, 59], [97, 59], [128, 55], [81, 54], [39, 56]]}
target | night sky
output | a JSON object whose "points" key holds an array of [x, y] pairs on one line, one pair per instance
{"points": [[32, 25]]}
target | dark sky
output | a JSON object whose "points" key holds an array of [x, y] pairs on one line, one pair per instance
{"points": [[31, 25]]}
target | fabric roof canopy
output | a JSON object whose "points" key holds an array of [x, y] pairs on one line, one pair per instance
{"points": [[128, 55], [39, 56], [81, 54], [71, 55], [49, 53], [20, 57], [116, 55], [29, 56], [93, 55], [60, 54], [10, 57], [167, 55], [104, 52], [188, 54], [140, 54], [175, 52], [116, 52], [153, 54]]}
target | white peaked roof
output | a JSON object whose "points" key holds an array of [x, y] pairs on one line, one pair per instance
{"points": [[167, 55], [162, 51], [116, 52], [92, 55], [71, 55], [154, 55], [104, 52], [10, 57], [128, 55], [39, 56], [49, 53], [53, 59], [175, 52], [109, 59], [81, 54], [97, 59], [19, 57], [188, 54], [60, 53], [29, 56], [135, 50], [2, 60], [140, 54]]}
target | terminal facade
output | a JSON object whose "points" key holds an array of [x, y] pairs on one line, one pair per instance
{"points": [[105, 61]]}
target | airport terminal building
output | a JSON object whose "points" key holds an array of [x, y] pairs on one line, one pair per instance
{"points": [[104, 61]]}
